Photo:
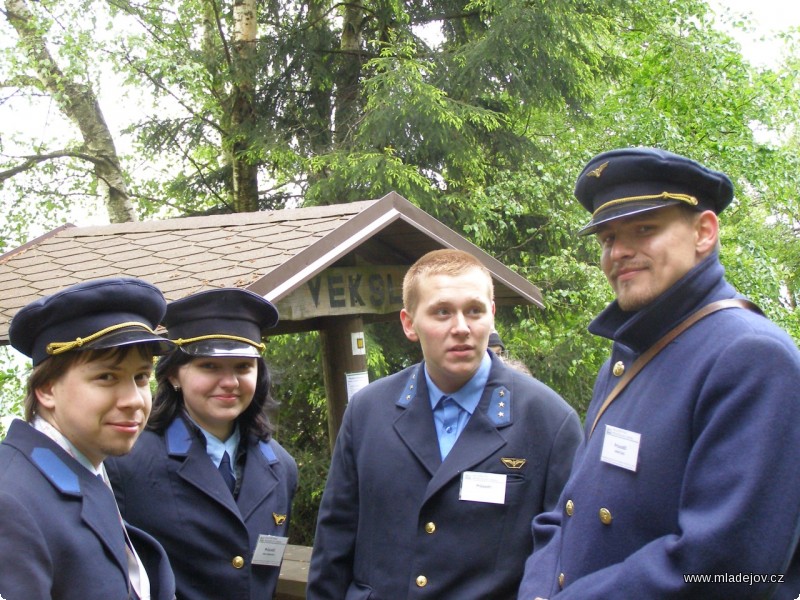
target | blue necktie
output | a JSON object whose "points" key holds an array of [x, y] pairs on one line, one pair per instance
{"points": [[226, 472], [451, 410]]}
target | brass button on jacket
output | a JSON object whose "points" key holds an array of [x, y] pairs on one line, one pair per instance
{"points": [[430, 527], [561, 580], [619, 368], [422, 581], [570, 508], [605, 516], [237, 562]]}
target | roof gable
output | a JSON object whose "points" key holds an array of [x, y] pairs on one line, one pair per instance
{"points": [[271, 253]]}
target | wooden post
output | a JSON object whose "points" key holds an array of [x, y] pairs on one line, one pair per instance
{"points": [[338, 360]]}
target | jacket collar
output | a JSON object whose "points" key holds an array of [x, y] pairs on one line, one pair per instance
{"points": [[179, 439], [638, 330]]}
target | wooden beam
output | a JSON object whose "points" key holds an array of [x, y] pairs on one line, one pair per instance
{"points": [[340, 361]]}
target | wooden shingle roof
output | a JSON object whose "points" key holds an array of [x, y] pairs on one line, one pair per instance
{"points": [[270, 253]]}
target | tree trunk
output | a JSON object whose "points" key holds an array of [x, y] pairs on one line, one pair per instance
{"points": [[245, 168], [346, 99], [78, 102]]}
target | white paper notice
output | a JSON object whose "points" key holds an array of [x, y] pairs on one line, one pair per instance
{"points": [[621, 448], [356, 381], [483, 487]]}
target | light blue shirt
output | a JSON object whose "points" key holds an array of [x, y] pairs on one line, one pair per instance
{"points": [[451, 412], [215, 447]]}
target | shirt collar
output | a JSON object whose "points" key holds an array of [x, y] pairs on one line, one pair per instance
{"points": [[45, 427], [470, 393], [215, 447]]}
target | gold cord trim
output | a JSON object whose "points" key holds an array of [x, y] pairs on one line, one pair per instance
{"points": [[61, 347], [235, 338], [662, 196]]}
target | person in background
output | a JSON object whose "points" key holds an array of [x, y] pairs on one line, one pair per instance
{"points": [[438, 470], [686, 483], [88, 398], [496, 344], [208, 479]]}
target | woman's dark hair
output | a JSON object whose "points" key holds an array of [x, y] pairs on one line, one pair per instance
{"points": [[168, 402], [55, 366]]}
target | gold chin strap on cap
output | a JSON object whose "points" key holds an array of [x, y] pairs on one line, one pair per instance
{"points": [[690, 200], [233, 338], [61, 347]]}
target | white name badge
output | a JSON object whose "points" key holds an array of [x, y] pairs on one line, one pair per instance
{"points": [[483, 487], [621, 448], [269, 550]]}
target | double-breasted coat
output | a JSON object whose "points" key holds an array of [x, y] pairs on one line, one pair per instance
{"points": [[60, 532], [169, 487], [391, 524], [715, 493]]}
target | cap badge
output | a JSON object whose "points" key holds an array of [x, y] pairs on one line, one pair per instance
{"points": [[598, 171], [514, 463]]}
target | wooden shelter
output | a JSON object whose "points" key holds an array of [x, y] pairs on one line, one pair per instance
{"points": [[328, 268]]}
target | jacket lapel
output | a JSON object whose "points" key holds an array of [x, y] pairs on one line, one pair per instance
{"points": [[414, 425], [479, 440], [196, 467], [259, 479], [99, 512], [98, 507]]}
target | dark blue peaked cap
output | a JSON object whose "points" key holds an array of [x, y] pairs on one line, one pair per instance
{"points": [[627, 181], [95, 314], [220, 322]]}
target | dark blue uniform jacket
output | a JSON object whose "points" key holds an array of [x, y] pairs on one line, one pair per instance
{"points": [[169, 487], [60, 533], [391, 525], [715, 491]]}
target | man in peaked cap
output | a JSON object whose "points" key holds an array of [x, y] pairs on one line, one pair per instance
{"points": [[685, 484], [61, 534]]}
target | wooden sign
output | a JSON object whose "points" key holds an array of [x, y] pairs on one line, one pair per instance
{"points": [[346, 291]]}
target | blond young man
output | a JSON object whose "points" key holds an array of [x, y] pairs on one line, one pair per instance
{"points": [[439, 469]]}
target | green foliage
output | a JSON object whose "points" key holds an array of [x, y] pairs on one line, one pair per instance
{"points": [[296, 370], [13, 377]]}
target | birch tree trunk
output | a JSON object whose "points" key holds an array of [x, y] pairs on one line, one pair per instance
{"points": [[78, 102], [243, 67]]}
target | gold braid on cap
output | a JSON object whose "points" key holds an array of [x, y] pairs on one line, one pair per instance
{"points": [[61, 347], [691, 200], [220, 336]]}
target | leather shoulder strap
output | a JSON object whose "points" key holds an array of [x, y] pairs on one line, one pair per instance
{"points": [[645, 358]]}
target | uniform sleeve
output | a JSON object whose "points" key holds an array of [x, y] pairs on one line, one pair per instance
{"points": [[541, 566], [27, 567], [546, 526], [562, 454], [739, 508], [331, 567]]}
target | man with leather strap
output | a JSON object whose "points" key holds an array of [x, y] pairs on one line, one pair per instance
{"points": [[685, 484]]}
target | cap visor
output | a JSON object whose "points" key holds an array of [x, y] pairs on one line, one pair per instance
{"points": [[128, 337], [622, 211], [221, 348]]}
